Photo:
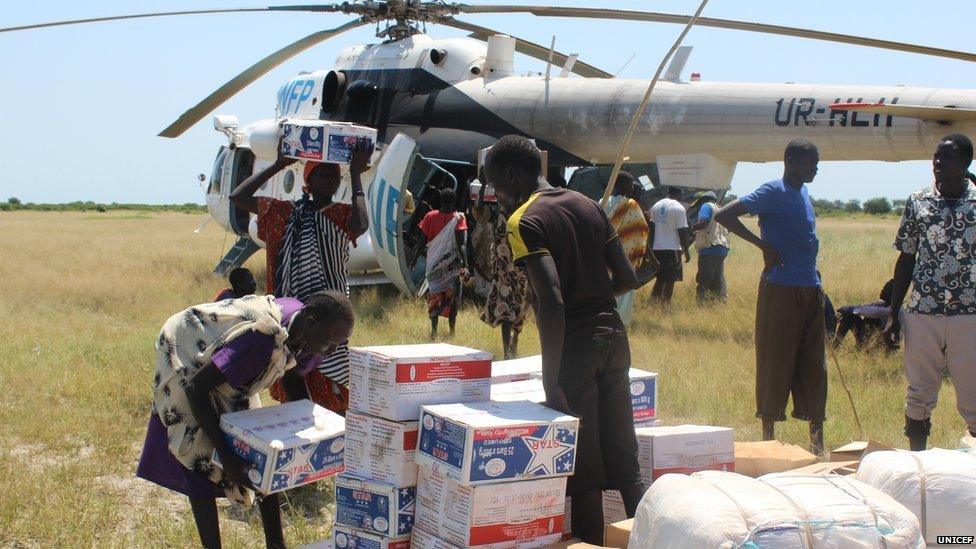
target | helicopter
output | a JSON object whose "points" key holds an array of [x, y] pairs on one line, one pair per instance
{"points": [[438, 102]]}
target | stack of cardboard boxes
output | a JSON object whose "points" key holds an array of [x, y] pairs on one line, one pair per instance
{"points": [[376, 495], [492, 474]]}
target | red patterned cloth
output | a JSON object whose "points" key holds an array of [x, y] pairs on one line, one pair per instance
{"points": [[273, 217], [324, 392]]}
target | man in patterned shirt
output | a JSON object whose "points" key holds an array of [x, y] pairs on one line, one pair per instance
{"points": [[937, 241]]}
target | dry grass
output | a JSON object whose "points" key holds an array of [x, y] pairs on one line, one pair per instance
{"points": [[86, 293]]}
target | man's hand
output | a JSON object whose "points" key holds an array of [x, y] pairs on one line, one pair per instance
{"points": [[361, 154], [892, 330], [556, 399], [687, 255], [771, 256]]}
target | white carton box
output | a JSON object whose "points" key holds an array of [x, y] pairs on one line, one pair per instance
{"points": [[492, 442], [684, 449], [323, 140], [526, 389], [393, 381], [643, 393], [287, 445], [375, 507], [426, 540], [519, 369], [380, 449], [613, 511], [344, 537], [475, 516]]}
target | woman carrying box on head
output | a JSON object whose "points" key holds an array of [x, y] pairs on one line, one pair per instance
{"points": [[214, 358], [307, 244]]}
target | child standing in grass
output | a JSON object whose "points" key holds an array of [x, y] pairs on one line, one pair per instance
{"points": [[213, 359]]}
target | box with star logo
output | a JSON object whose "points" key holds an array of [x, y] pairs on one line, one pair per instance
{"points": [[323, 141], [492, 442], [502, 515], [287, 445], [374, 507], [346, 537], [393, 381], [643, 392]]}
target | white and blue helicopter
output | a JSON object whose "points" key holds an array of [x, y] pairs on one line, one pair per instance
{"points": [[437, 102]]}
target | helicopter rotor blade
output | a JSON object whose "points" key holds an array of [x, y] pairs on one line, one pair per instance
{"points": [[329, 8], [252, 73], [730, 24], [528, 48]]}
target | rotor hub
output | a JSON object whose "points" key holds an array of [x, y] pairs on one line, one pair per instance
{"points": [[400, 16]]}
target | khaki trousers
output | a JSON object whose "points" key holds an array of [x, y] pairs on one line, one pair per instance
{"points": [[932, 344]]}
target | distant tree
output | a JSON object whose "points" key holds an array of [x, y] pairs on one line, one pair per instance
{"points": [[821, 205], [877, 206], [898, 204], [838, 204], [852, 206], [13, 201]]}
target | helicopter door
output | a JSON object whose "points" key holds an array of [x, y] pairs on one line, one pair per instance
{"points": [[387, 201]]}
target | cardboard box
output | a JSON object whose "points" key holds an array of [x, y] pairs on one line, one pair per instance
{"points": [[375, 507], [755, 459], [289, 445], [684, 449], [857, 450], [519, 369], [490, 514], [393, 381], [323, 141], [827, 468], [381, 450], [618, 534], [492, 442], [344, 537]]}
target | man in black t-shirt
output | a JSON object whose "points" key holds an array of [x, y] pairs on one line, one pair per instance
{"points": [[569, 250]]}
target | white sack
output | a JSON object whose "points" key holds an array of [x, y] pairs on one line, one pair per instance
{"points": [[949, 496], [721, 509]]}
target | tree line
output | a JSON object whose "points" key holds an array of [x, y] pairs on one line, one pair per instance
{"points": [[15, 204]]}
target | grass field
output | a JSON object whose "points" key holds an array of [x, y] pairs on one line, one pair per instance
{"points": [[86, 293]]}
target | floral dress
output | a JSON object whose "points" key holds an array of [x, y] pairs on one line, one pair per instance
{"points": [[508, 290]]}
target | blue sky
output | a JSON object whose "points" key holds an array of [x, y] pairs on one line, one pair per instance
{"points": [[81, 106]]}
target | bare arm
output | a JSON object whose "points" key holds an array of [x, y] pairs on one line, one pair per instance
{"points": [[359, 222], [729, 216], [904, 268], [551, 320], [624, 277], [198, 390], [294, 386], [243, 195]]}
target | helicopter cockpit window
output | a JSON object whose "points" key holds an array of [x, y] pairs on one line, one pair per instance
{"points": [[218, 171], [288, 184]]}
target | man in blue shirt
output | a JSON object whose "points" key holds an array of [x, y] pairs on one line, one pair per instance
{"points": [[790, 310], [712, 243]]}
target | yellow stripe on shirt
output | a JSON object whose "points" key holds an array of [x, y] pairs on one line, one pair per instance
{"points": [[519, 249]]}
